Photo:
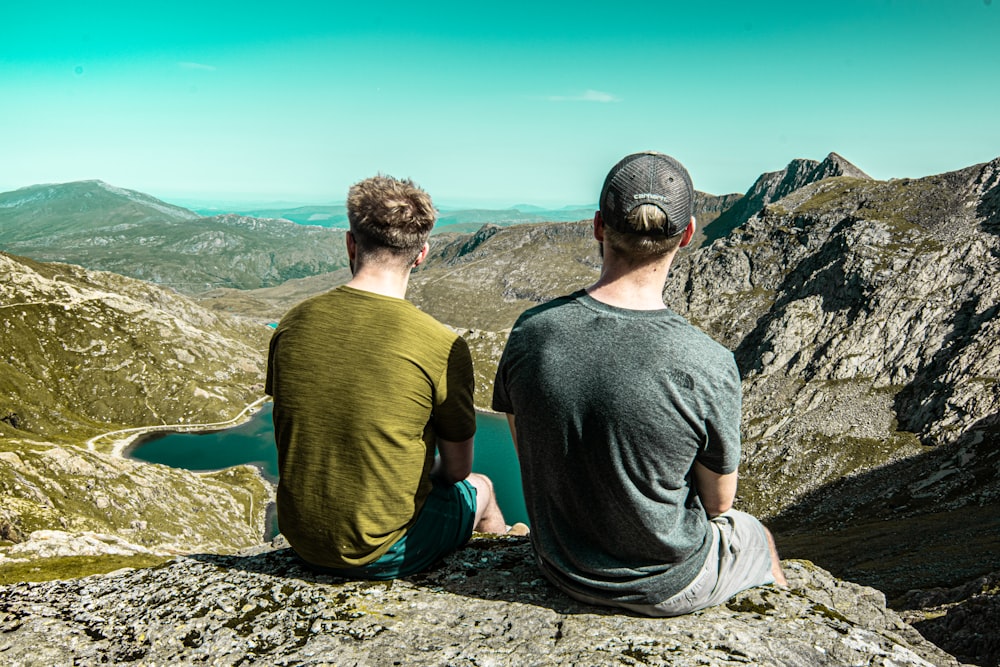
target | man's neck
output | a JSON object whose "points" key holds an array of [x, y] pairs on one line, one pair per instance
{"points": [[381, 280], [633, 287]]}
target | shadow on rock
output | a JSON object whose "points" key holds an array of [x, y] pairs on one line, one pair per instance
{"points": [[927, 521], [489, 568]]}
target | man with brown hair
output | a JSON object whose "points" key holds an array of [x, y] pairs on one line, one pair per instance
{"points": [[366, 388], [626, 421]]}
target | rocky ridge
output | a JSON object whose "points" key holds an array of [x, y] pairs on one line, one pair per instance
{"points": [[864, 316], [859, 310], [486, 605], [86, 352], [41, 214]]}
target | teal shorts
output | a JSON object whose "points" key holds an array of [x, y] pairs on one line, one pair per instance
{"points": [[444, 524]]}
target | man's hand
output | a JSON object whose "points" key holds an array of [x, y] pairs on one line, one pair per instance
{"points": [[454, 462], [716, 491]]}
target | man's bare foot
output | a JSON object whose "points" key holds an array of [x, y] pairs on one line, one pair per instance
{"points": [[518, 529]]}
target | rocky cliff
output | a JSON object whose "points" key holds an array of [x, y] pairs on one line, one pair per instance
{"points": [[864, 318], [486, 605], [861, 313]]}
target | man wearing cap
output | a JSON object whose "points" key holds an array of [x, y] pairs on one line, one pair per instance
{"points": [[626, 421]]}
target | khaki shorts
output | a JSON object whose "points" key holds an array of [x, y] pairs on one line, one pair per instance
{"points": [[740, 559]]}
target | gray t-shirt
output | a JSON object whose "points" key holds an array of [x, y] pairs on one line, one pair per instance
{"points": [[612, 409]]}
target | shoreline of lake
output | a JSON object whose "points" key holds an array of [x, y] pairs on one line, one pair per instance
{"points": [[249, 440], [122, 447]]}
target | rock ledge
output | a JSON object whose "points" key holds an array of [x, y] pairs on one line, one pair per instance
{"points": [[487, 605]]}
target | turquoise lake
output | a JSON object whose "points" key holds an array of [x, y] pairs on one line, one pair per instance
{"points": [[253, 442]]}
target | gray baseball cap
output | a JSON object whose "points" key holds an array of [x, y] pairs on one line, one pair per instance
{"points": [[648, 178]]}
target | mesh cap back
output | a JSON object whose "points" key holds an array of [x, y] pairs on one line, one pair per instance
{"points": [[648, 178]]}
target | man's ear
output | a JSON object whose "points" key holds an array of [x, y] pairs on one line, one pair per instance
{"points": [[352, 250], [423, 255], [598, 227], [688, 232]]}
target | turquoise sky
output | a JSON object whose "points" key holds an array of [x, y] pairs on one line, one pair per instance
{"points": [[494, 103]]}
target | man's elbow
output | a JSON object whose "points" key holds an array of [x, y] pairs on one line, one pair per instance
{"points": [[716, 508], [454, 461], [453, 475]]}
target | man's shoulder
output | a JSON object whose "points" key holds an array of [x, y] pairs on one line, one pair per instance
{"points": [[553, 309], [433, 326], [701, 352], [316, 302], [701, 339], [343, 299]]}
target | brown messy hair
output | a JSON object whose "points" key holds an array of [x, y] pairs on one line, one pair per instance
{"points": [[639, 246], [390, 217]]}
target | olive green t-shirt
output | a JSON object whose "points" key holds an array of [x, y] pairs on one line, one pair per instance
{"points": [[363, 386]]}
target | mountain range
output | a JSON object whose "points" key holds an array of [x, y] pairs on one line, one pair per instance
{"points": [[863, 315], [104, 227], [460, 220], [100, 226]]}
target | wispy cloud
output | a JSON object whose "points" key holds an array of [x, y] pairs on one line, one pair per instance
{"points": [[586, 96], [201, 66]]}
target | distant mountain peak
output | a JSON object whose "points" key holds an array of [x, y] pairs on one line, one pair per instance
{"points": [[836, 165], [772, 186], [65, 201]]}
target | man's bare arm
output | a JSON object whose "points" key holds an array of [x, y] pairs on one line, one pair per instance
{"points": [[716, 491], [513, 430], [454, 461]]}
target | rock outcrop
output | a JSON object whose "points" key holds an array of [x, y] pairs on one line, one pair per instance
{"points": [[772, 186], [487, 605], [65, 501], [964, 618]]}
